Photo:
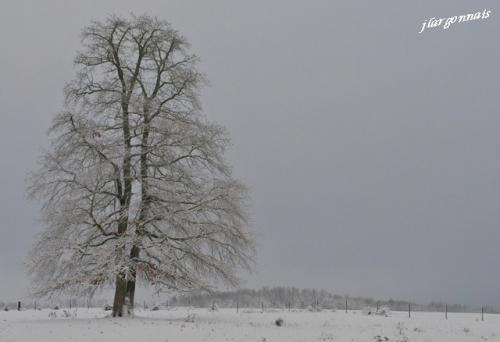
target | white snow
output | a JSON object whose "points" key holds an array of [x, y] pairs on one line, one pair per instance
{"points": [[184, 324]]}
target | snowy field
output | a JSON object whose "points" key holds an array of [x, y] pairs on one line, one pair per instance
{"points": [[183, 324]]}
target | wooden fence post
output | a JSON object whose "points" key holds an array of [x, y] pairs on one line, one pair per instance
{"points": [[346, 305], [18, 306], [409, 310]]}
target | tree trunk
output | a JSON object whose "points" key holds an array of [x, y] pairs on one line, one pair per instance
{"points": [[134, 254], [120, 295], [121, 280], [131, 295]]}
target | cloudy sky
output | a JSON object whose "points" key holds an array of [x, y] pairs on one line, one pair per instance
{"points": [[371, 151]]}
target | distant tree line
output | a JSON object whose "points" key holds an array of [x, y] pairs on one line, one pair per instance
{"points": [[284, 297]]}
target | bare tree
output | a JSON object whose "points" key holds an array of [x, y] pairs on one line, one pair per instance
{"points": [[139, 172]]}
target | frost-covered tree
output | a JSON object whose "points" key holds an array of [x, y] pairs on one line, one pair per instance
{"points": [[135, 185]]}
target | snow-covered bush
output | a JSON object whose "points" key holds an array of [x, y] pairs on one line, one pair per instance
{"points": [[69, 314], [327, 337], [383, 311], [191, 318], [251, 311], [314, 308]]}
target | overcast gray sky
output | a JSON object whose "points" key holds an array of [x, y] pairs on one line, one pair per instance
{"points": [[371, 151]]}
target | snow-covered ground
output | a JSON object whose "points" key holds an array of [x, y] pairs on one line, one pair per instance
{"points": [[183, 324]]}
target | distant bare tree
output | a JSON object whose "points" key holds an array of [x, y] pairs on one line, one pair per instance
{"points": [[135, 185]]}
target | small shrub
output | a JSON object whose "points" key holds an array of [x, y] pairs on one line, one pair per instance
{"points": [[279, 322], [368, 310]]}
